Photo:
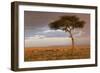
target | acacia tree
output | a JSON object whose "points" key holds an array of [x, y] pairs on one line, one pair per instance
{"points": [[67, 24]]}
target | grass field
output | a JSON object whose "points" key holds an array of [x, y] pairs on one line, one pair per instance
{"points": [[56, 53]]}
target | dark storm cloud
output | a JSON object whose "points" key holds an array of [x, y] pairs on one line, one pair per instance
{"points": [[37, 22]]}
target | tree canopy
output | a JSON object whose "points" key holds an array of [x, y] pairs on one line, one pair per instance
{"points": [[67, 23]]}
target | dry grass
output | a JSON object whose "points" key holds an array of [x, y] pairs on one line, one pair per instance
{"points": [[56, 53]]}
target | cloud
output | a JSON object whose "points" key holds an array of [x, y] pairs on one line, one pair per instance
{"points": [[47, 31], [79, 34], [37, 37], [52, 31]]}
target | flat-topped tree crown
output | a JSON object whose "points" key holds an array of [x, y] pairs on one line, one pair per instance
{"points": [[67, 23]]}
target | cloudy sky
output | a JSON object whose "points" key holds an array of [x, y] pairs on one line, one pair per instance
{"points": [[38, 34]]}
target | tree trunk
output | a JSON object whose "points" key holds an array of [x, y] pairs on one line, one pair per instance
{"points": [[72, 42]]}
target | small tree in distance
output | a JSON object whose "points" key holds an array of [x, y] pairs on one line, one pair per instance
{"points": [[67, 24]]}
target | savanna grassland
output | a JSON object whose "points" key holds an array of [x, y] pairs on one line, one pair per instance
{"points": [[56, 53]]}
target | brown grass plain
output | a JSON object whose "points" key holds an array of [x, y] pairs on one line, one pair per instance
{"points": [[56, 53]]}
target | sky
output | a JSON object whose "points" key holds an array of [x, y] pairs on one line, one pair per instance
{"points": [[37, 33]]}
